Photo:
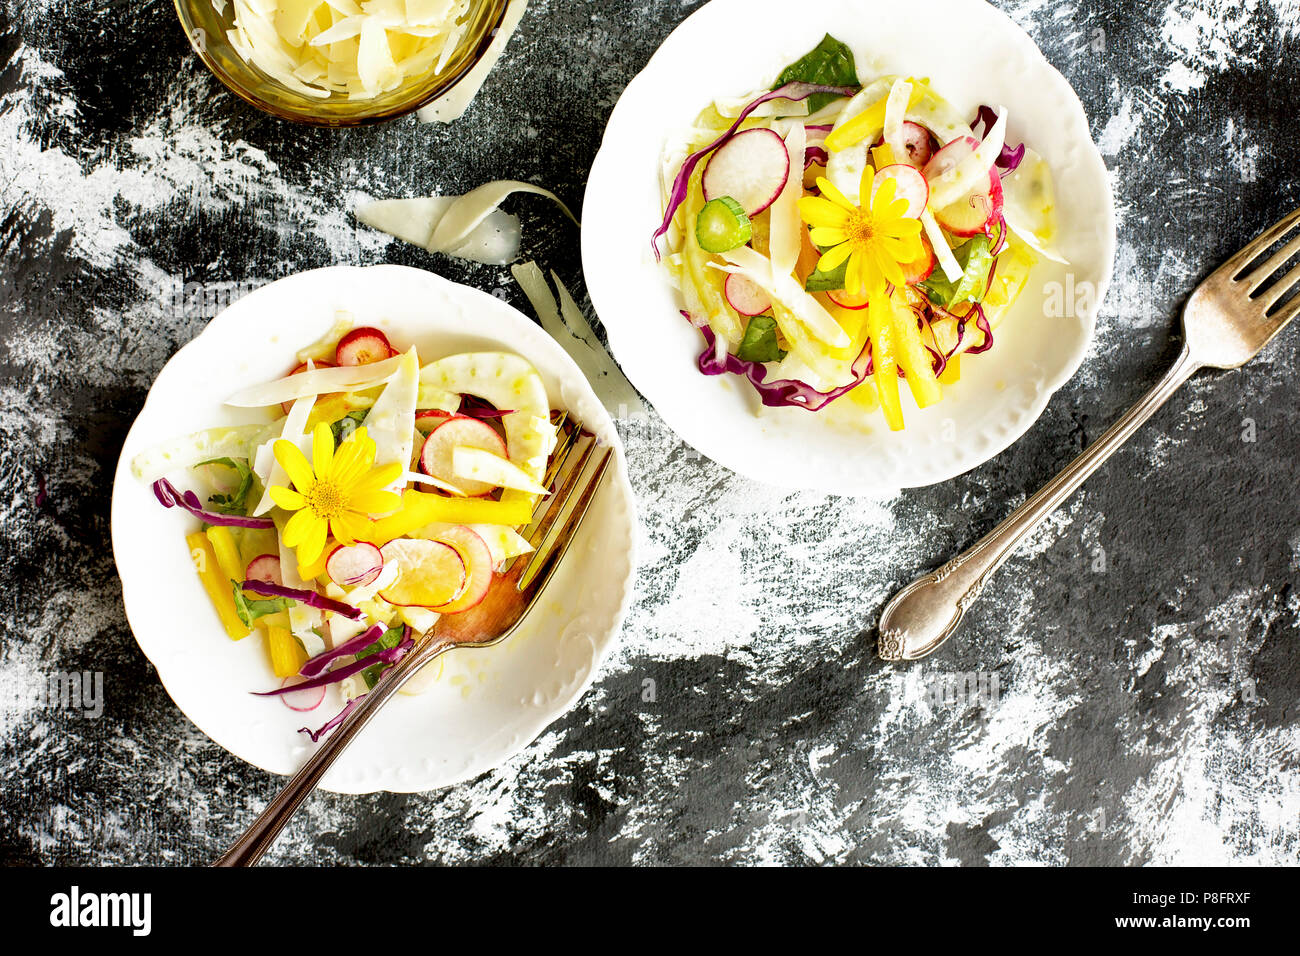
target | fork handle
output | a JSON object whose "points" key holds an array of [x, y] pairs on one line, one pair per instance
{"points": [[248, 849], [922, 616]]}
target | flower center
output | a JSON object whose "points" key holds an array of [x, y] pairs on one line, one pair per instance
{"points": [[325, 499], [858, 228]]}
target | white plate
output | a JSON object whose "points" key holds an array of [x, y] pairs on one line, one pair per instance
{"points": [[489, 703], [973, 54]]}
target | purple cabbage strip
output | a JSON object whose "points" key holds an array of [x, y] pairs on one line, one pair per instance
{"points": [[815, 156], [310, 598], [168, 495], [333, 722], [475, 407], [1010, 157], [389, 655], [316, 666], [981, 323], [782, 392], [791, 91]]}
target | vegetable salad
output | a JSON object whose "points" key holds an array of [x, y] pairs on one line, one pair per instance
{"points": [[384, 494], [831, 238]]}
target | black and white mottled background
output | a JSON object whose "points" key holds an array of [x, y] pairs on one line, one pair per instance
{"points": [[1145, 643]]}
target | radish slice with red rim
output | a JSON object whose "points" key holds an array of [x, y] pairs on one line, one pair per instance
{"points": [[973, 213], [355, 565], [745, 296], [918, 145], [265, 567], [473, 550], [909, 185], [751, 168], [302, 700], [363, 346]]}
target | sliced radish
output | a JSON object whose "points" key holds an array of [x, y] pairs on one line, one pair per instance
{"points": [[921, 267], [302, 700], [745, 296], [429, 419], [459, 431], [751, 168], [477, 556], [265, 567], [363, 346], [302, 368], [355, 565], [918, 145], [848, 300], [973, 212], [909, 184], [431, 573]]}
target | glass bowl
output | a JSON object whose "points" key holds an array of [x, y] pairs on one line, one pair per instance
{"points": [[206, 30]]}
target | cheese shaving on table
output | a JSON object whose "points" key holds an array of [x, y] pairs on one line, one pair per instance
{"points": [[453, 105], [471, 226], [358, 48]]}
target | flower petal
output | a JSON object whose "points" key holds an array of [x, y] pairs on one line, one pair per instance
{"points": [[829, 190], [322, 450], [817, 211], [287, 498], [295, 464], [866, 186], [297, 527], [314, 544], [834, 258], [826, 236], [349, 527]]}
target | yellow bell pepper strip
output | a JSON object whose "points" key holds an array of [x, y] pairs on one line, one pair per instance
{"points": [[420, 508], [227, 551], [951, 374], [287, 655], [879, 328], [869, 121], [314, 570], [216, 584], [913, 357], [883, 155]]}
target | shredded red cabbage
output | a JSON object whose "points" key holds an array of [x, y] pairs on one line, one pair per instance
{"points": [[317, 665], [790, 91], [170, 497], [1010, 157], [387, 655], [475, 407], [333, 722], [815, 156], [784, 391], [304, 595]]}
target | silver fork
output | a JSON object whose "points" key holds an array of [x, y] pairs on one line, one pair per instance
{"points": [[578, 466], [1227, 320]]}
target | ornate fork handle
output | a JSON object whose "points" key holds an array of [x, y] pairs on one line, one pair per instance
{"points": [[923, 615], [248, 849]]}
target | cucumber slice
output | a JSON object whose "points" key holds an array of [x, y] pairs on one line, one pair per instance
{"points": [[722, 225]]}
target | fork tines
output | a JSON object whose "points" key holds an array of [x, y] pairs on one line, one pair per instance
{"points": [[574, 473]]}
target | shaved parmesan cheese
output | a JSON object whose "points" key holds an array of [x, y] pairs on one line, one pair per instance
{"points": [[391, 420], [453, 105], [345, 378], [785, 290], [359, 49], [566, 324], [476, 464], [786, 233], [268, 468], [947, 261], [463, 216]]}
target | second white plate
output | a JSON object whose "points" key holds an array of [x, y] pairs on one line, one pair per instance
{"points": [[973, 54]]}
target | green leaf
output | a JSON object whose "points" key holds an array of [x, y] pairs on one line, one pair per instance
{"points": [[831, 281], [975, 258], [345, 426], [235, 502], [390, 638], [759, 343], [830, 64], [250, 611]]}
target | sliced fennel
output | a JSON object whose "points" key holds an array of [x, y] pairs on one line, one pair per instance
{"points": [[475, 464], [784, 289], [236, 441], [391, 422]]}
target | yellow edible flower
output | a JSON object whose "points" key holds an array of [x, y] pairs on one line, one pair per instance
{"points": [[876, 239], [335, 493]]}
